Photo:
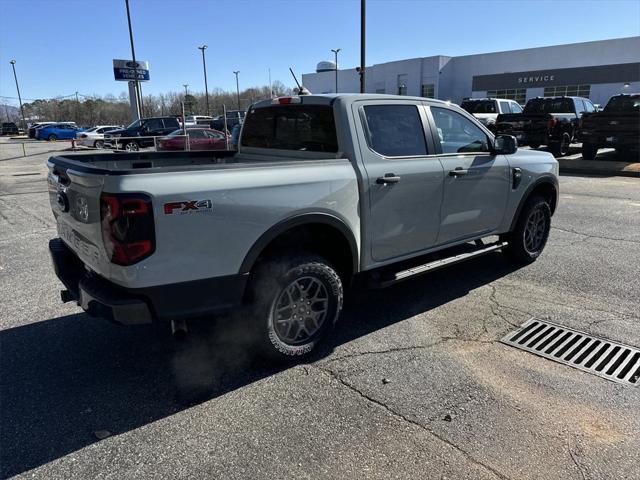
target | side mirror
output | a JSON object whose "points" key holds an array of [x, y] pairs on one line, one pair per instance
{"points": [[505, 145]]}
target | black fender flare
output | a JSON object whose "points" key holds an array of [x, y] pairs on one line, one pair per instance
{"points": [[546, 178], [298, 220]]}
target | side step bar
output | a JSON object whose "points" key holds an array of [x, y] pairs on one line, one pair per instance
{"points": [[436, 264]]}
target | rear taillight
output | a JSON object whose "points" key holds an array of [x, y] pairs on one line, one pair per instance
{"points": [[128, 230], [552, 123]]}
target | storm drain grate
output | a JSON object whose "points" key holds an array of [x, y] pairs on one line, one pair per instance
{"points": [[607, 359]]}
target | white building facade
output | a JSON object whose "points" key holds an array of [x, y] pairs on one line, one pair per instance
{"points": [[596, 70]]}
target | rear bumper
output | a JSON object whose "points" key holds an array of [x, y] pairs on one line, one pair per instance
{"points": [[610, 140], [130, 306]]}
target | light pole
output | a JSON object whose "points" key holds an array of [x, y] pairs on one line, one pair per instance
{"points": [[204, 67], [13, 65], [186, 91], [363, 8], [133, 57], [236, 72], [335, 53]]}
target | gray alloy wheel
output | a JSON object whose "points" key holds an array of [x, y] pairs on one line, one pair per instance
{"points": [[565, 143], [529, 236], [132, 146], [535, 230], [98, 144], [300, 310]]}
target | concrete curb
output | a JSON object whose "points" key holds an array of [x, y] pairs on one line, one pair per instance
{"points": [[600, 167]]}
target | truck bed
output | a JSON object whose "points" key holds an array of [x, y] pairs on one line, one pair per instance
{"points": [[156, 162]]}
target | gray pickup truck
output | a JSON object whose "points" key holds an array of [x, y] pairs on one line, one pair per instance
{"points": [[323, 190]]}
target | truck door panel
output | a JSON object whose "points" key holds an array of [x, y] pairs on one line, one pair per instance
{"points": [[476, 182], [404, 179]]}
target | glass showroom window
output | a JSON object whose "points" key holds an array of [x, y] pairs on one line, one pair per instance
{"points": [[517, 94], [428, 90], [568, 91], [402, 84]]}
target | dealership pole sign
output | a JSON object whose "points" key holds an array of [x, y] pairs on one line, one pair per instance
{"points": [[128, 70]]}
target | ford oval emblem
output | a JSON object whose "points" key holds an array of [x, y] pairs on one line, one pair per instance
{"points": [[132, 64], [62, 201]]}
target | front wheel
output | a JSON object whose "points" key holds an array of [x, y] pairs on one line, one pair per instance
{"points": [[131, 146], [52, 138], [295, 305], [529, 237]]}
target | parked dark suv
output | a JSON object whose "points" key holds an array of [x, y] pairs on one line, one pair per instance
{"points": [[9, 128], [234, 117], [145, 129]]}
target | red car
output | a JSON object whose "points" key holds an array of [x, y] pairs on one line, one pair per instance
{"points": [[199, 139]]}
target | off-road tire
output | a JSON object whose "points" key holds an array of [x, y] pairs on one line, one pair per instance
{"points": [[268, 288], [521, 249], [589, 151]]}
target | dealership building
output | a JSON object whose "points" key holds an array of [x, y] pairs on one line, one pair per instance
{"points": [[596, 70]]}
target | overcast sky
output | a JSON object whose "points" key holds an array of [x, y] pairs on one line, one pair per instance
{"points": [[64, 46]]}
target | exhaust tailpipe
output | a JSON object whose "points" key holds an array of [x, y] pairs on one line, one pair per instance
{"points": [[179, 328]]}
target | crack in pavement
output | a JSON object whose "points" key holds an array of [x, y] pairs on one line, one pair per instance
{"points": [[496, 306], [409, 348], [575, 461], [403, 417], [588, 236]]}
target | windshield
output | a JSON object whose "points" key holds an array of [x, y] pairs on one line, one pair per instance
{"points": [[479, 106], [623, 104], [134, 124], [549, 105], [291, 127]]}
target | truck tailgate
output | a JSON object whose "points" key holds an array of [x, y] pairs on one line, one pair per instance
{"points": [[75, 202]]}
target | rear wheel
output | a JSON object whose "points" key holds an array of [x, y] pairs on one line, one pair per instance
{"points": [[589, 151], [295, 304], [534, 145], [98, 144], [529, 237], [561, 148], [52, 138], [131, 146]]}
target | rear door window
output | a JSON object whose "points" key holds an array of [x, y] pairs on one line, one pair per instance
{"points": [[395, 130], [308, 128], [154, 124], [505, 107]]}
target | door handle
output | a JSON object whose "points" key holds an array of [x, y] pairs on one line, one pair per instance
{"points": [[458, 172], [388, 178]]}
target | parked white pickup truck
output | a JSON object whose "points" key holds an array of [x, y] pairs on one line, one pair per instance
{"points": [[323, 189]]}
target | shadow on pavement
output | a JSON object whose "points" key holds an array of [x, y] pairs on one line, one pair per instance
{"points": [[67, 377]]}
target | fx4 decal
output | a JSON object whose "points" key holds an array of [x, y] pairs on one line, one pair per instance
{"points": [[189, 206]]}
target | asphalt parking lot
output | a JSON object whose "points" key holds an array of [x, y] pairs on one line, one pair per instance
{"points": [[414, 385]]}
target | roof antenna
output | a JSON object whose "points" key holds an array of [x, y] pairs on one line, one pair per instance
{"points": [[301, 89]]}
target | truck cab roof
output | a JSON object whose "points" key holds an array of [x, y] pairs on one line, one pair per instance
{"points": [[329, 98]]}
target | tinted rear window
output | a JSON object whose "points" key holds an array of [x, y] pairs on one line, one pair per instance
{"points": [[483, 106], [549, 105], [623, 104], [291, 127]]}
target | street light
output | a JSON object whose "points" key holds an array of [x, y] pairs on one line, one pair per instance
{"points": [[204, 67], [335, 53], [236, 72], [13, 65], [186, 86]]}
